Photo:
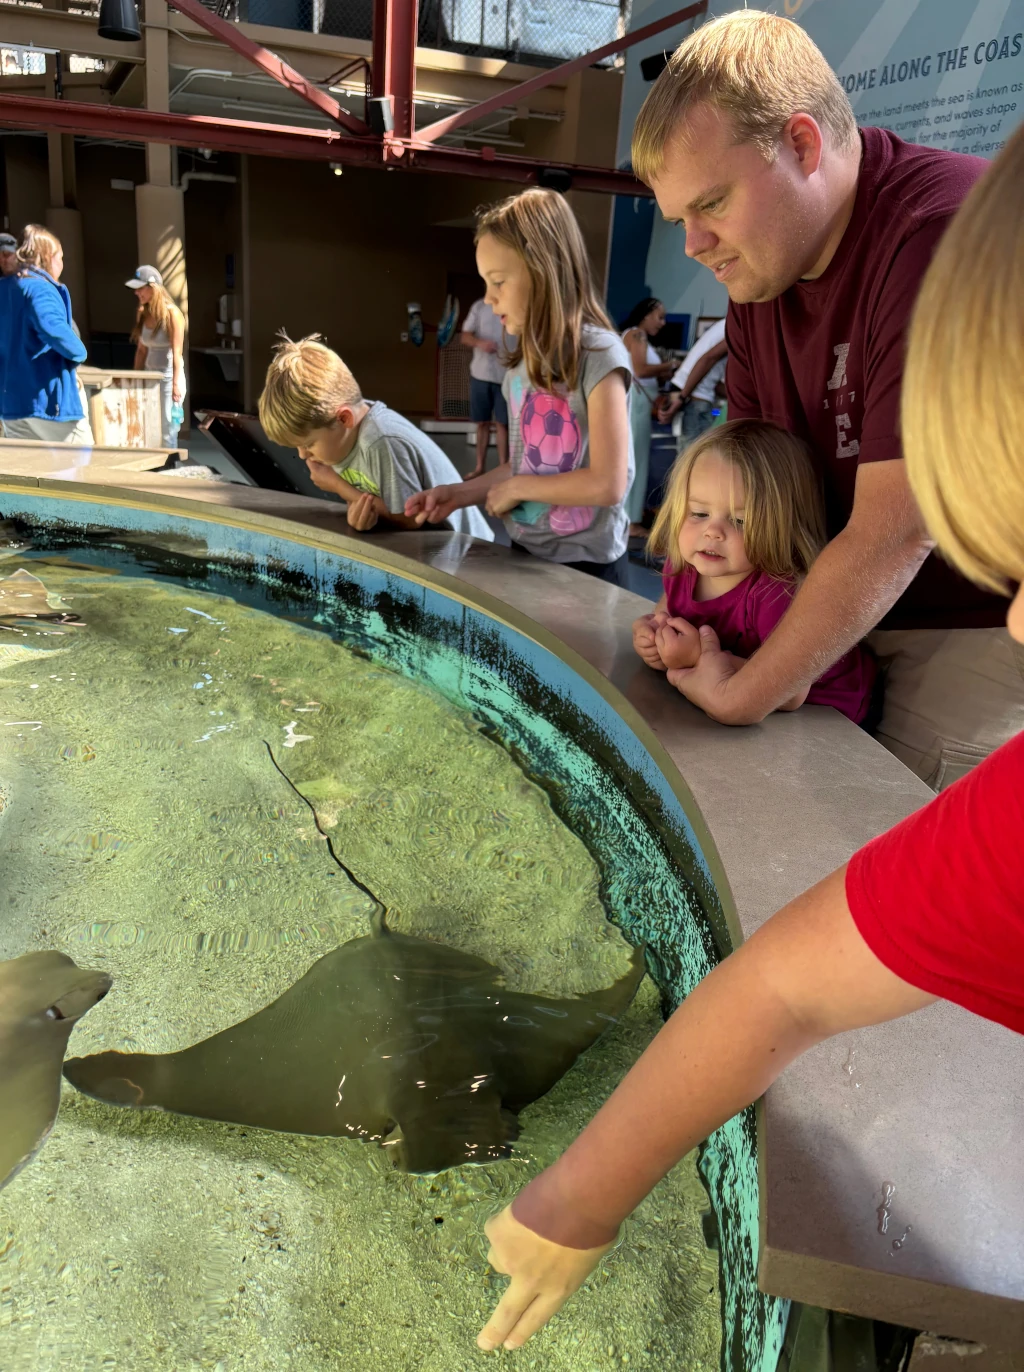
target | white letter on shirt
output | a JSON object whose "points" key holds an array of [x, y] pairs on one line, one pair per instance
{"points": [[843, 426], [838, 378]]}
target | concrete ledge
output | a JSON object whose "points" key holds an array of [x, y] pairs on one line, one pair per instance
{"points": [[929, 1106]]}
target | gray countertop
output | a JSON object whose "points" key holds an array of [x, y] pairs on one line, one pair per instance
{"points": [[930, 1106]]}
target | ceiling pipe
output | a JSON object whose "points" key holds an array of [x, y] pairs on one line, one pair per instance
{"points": [[188, 177]]}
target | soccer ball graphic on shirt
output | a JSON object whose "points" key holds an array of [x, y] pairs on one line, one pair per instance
{"points": [[551, 436], [551, 445]]}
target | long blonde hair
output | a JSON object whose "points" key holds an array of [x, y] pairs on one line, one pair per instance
{"points": [[539, 225], [962, 418], [759, 70], [156, 312], [783, 517], [38, 247], [306, 385]]}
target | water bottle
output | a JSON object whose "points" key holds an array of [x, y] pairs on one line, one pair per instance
{"points": [[177, 415]]}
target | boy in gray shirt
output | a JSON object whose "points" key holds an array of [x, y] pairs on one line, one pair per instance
{"points": [[370, 456], [389, 460]]}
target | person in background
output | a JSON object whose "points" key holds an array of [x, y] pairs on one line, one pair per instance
{"points": [[821, 232], [8, 254], [40, 350], [562, 494], [644, 321], [740, 527], [482, 331], [371, 457], [41, 248], [159, 338], [695, 385], [900, 925]]}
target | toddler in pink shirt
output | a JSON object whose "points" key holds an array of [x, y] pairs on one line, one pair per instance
{"points": [[741, 524]]}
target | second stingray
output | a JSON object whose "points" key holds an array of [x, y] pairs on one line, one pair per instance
{"points": [[388, 1038]]}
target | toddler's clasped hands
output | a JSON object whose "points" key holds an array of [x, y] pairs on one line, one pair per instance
{"points": [[666, 642]]}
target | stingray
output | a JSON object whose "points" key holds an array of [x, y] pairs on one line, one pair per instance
{"points": [[42, 996], [23, 596], [389, 1039]]}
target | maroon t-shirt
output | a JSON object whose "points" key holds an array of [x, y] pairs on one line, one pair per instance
{"points": [[825, 359]]}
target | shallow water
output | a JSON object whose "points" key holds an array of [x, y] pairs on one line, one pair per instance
{"points": [[146, 831]]}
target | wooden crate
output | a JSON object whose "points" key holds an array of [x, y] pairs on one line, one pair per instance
{"points": [[124, 407]]}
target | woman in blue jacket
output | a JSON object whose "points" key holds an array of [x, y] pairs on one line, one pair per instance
{"points": [[39, 348]]}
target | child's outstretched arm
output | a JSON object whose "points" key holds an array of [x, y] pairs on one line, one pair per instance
{"points": [[604, 481], [435, 505], [805, 975]]}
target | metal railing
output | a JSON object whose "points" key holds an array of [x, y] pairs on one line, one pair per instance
{"points": [[536, 31]]}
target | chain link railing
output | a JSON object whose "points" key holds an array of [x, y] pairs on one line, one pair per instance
{"points": [[542, 31]]}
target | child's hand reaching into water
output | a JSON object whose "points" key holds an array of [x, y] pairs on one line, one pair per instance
{"points": [[677, 643], [644, 644]]}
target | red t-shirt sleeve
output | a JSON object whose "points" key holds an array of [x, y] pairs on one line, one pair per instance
{"points": [[740, 390], [940, 898], [886, 349]]}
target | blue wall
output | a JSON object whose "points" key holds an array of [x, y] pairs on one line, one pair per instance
{"points": [[946, 73]]}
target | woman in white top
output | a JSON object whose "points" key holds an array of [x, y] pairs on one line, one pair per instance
{"points": [[159, 338], [646, 319]]}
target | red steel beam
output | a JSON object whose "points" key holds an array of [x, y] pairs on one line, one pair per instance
{"points": [[270, 63], [494, 166], [281, 140], [400, 61], [511, 97]]}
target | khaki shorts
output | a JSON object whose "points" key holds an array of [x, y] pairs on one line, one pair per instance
{"points": [[952, 696]]}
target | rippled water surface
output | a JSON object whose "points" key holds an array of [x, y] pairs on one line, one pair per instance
{"points": [[146, 831]]}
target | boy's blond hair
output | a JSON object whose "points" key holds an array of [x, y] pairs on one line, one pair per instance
{"points": [[539, 225], [783, 517], [962, 412], [758, 70], [306, 385]]}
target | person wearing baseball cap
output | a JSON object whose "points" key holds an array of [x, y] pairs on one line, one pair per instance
{"points": [[8, 254], [159, 338]]}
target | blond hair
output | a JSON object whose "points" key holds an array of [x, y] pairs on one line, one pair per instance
{"points": [[758, 70], [306, 385], [783, 516], [962, 414], [539, 225], [156, 312], [38, 247]]}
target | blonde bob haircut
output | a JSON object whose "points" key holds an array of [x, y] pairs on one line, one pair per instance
{"points": [[783, 515], [539, 225], [38, 247], [962, 414], [758, 70], [306, 386]]}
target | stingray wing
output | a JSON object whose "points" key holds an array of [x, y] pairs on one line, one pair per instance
{"points": [[536, 1039], [301, 1065], [29, 1101]]}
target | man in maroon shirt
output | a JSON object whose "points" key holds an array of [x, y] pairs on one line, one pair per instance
{"points": [[821, 234]]}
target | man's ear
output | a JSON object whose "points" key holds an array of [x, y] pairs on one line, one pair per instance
{"points": [[345, 416], [803, 139]]}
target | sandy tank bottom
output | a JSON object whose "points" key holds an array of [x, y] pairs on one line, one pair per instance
{"points": [[145, 831]]}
